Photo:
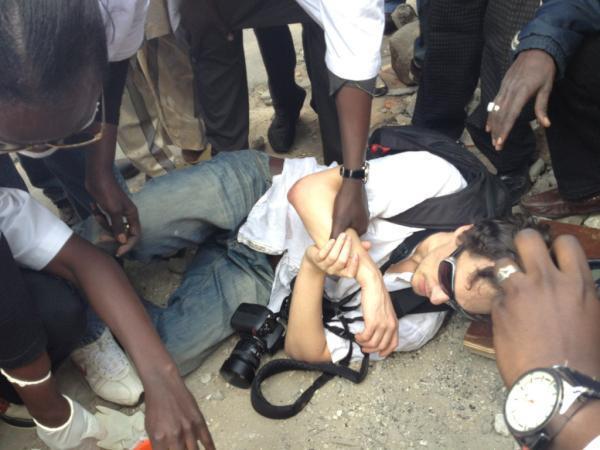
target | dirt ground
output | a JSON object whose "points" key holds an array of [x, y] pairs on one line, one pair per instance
{"points": [[440, 397]]}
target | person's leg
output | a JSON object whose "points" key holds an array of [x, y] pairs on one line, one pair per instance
{"points": [[313, 40], [221, 276], [454, 36], [279, 56], [190, 205], [573, 138], [419, 45]]}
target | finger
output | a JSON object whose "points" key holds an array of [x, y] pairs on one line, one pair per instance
{"points": [[159, 444], [363, 337], [533, 253], [204, 436], [505, 119], [541, 105], [375, 340], [571, 259], [323, 252], [333, 255], [118, 228], [191, 441], [366, 245], [177, 442], [508, 276], [100, 217], [344, 256], [385, 344]]}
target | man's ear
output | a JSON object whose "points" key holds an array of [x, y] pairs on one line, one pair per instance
{"points": [[460, 230]]}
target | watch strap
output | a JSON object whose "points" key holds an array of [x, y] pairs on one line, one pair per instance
{"points": [[356, 174]]}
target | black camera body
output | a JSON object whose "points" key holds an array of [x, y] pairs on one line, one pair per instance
{"points": [[261, 331]]}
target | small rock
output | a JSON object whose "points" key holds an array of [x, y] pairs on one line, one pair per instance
{"points": [[401, 119], [574, 220], [423, 443], [593, 221], [258, 143], [217, 396], [266, 98], [339, 413], [403, 14], [500, 425], [536, 169], [205, 378]]}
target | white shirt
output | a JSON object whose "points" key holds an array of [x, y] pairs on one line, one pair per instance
{"points": [[396, 183], [34, 234], [124, 21], [353, 35]]}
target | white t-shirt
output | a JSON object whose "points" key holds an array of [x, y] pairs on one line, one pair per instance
{"points": [[396, 183], [353, 35], [34, 234], [124, 21]]}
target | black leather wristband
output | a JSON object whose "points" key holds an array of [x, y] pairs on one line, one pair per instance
{"points": [[361, 174]]}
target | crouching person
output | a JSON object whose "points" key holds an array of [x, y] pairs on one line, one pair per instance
{"points": [[36, 335]]}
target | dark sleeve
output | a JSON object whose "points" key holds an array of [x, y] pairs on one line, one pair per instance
{"points": [[559, 27], [22, 338], [114, 85], [336, 83]]}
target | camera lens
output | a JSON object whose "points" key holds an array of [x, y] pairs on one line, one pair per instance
{"points": [[239, 369]]}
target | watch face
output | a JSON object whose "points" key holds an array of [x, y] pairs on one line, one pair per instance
{"points": [[532, 401]]}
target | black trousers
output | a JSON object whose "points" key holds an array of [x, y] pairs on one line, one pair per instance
{"points": [[38, 312], [468, 40], [574, 136], [220, 67]]}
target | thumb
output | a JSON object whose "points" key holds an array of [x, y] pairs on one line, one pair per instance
{"points": [[541, 105]]}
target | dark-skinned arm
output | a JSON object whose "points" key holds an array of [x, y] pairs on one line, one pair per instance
{"points": [[99, 177], [542, 54], [529, 322], [354, 112], [173, 419]]}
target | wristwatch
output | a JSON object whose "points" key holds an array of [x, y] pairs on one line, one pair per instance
{"points": [[542, 401], [356, 174]]}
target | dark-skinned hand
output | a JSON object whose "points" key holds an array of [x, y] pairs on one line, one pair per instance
{"points": [[549, 313], [531, 75], [173, 419], [350, 209], [116, 212]]}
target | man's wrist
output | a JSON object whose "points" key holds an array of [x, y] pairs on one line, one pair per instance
{"points": [[581, 429]]}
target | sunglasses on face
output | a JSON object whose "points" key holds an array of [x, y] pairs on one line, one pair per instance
{"points": [[446, 278], [79, 139]]}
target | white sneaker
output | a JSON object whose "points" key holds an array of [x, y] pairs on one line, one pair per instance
{"points": [[108, 371]]}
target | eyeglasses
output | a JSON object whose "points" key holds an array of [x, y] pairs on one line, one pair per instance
{"points": [[446, 277], [79, 139]]}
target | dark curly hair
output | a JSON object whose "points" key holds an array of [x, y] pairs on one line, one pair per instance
{"points": [[494, 239]]}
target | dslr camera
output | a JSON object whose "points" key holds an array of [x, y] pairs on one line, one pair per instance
{"points": [[261, 331]]}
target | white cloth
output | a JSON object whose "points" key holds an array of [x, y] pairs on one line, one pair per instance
{"points": [[594, 445], [34, 234], [353, 35], [396, 183], [124, 21]]}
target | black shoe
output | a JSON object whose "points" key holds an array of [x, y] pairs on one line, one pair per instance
{"points": [[282, 130], [517, 182]]}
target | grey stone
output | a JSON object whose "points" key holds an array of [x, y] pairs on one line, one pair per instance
{"points": [[593, 221], [536, 169], [401, 51], [574, 220], [266, 98], [403, 14], [205, 378], [500, 425]]}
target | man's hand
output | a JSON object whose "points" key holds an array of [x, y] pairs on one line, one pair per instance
{"points": [[549, 313], [173, 419], [350, 209], [532, 74], [381, 324], [124, 220], [335, 258]]}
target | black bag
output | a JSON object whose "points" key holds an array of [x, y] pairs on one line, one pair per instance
{"points": [[485, 197]]}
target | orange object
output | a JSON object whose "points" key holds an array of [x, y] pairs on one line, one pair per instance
{"points": [[144, 445]]}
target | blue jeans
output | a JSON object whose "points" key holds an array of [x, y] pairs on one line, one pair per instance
{"points": [[203, 205]]}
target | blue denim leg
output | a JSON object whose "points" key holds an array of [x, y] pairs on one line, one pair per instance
{"points": [[202, 205]]}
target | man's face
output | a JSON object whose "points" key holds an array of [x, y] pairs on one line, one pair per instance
{"points": [[474, 294]]}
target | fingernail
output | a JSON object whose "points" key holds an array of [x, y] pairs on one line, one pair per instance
{"points": [[342, 235]]}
